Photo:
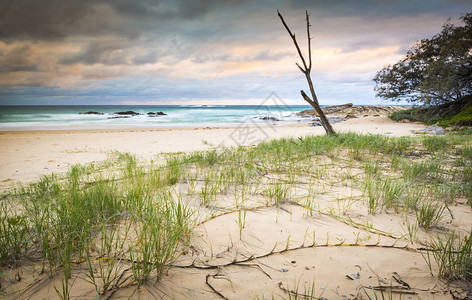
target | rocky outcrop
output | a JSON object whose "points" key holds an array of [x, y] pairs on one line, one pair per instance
{"points": [[267, 118], [124, 114], [332, 120], [90, 113], [127, 113], [156, 114], [350, 111]]}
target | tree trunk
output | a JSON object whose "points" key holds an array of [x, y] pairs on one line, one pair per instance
{"points": [[324, 121], [306, 69]]}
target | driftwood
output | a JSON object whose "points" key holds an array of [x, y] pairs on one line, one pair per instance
{"points": [[306, 69]]}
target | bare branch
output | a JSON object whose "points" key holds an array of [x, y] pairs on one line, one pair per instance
{"points": [[309, 39], [301, 69], [292, 35], [307, 99], [324, 121], [306, 70]]}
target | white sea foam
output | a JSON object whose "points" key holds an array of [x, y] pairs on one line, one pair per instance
{"points": [[52, 117]]}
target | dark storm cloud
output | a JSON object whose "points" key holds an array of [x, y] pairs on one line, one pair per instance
{"points": [[167, 9], [382, 8], [57, 19], [52, 19], [39, 19]]}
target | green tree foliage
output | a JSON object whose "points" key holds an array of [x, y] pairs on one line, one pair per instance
{"points": [[434, 71]]}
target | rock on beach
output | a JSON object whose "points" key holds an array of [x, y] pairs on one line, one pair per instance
{"points": [[350, 111]]}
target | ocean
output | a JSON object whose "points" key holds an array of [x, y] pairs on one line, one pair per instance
{"points": [[70, 117]]}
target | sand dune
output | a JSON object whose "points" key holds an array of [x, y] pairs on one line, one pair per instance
{"points": [[278, 249]]}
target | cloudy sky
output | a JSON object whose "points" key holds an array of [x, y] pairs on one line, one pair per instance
{"points": [[203, 51]]}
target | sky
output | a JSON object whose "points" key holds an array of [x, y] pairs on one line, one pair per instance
{"points": [[163, 52]]}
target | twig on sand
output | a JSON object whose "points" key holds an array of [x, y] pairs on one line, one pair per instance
{"points": [[254, 257], [211, 287], [393, 289]]}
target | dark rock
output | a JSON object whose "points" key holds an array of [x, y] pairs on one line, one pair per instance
{"points": [[284, 270], [127, 113], [350, 116], [90, 113], [155, 114], [433, 129], [315, 123], [332, 120], [267, 118]]}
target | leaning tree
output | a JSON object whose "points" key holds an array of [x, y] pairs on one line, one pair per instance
{"points": [[435, 70], [306, 70]]}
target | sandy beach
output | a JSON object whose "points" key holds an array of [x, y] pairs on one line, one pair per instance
{"points": [[26, 155], [273, 255], [316, 150]]}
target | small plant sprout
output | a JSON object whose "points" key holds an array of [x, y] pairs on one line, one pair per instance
{"points": [[241, 222], [356, 235], [411, 231]]}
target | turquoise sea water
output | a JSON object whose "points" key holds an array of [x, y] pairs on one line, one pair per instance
{"points": [[68, 117]]}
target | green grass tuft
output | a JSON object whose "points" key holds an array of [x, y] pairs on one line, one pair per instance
{"points": [[453, 255]]}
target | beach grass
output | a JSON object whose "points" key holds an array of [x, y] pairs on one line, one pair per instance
{"points": [[126, 221], [452, 254]]}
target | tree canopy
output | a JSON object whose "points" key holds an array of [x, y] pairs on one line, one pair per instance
{"points": [[434, 71]]}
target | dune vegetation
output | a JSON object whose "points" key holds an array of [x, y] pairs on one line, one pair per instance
{"points": [[126, 222], [451, 114]]}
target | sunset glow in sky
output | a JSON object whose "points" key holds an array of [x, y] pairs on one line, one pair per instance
{"points": [[204, 51]]}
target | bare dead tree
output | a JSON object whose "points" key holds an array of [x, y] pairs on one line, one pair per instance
{"points": [[306, 69]]}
